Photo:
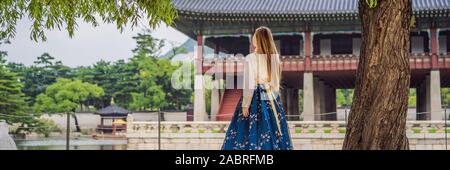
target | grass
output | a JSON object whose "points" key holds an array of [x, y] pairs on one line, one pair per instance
{"points": [[416, 130], [201, 131], [314, 131], [341, 130], [215, 131], [432, 130]]}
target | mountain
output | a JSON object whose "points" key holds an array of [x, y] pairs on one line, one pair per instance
{"points": [[184, 50]]}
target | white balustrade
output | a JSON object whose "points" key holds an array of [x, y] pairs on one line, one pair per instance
{"points": [[294, 127]]}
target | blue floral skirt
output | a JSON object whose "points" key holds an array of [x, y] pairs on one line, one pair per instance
{"points": [[258, 131]]}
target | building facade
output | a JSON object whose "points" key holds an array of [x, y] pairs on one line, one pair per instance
{"points": [[319, 43]]}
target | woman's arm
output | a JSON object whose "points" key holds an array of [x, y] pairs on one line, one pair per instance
{"points": [[276, 73], [249, 83]]}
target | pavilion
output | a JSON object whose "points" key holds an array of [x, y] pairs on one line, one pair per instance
{"points": [[113, 119], [319, 42]]}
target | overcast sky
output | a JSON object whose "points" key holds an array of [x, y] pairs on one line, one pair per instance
{"points": [[89, 45]]}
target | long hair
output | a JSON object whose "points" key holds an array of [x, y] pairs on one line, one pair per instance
{"points": [[266, 45]]}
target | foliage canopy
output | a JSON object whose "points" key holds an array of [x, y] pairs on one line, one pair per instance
{"points": [[65, 14]]}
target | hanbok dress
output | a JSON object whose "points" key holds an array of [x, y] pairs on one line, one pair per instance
{"points": [[266, 127]]}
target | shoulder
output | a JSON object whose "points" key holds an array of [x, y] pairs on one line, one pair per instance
{"points": [[250, 57]]}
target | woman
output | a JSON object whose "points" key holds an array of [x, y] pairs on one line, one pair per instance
{"points": [[259, 122]]}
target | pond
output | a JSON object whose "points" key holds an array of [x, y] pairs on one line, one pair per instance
{"points": [[75, 144]]}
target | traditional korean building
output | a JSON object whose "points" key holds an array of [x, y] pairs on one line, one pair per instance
{"points": [[112, 119], [319, 41]]}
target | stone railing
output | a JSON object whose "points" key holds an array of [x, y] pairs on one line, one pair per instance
{"points": [[306, 135], [177, 127], [294, 127], [427, 127]]}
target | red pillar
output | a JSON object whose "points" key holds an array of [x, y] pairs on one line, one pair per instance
{"points": [[216, 49], [199, 57], [308, 51], [216, 53], [434, 48], [113, 127]]}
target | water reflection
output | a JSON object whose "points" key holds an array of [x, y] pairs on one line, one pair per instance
{"points": [[75, 144]]}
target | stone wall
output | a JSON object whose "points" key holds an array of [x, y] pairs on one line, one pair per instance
{"points": [[6, 142], [314, 135], [89, 121], [300, 142]]}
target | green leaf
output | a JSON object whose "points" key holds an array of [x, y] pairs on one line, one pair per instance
{"points": [[54, 14], [372, 3]]}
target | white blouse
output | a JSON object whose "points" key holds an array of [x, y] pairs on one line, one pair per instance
{"points": [[256, 72]]}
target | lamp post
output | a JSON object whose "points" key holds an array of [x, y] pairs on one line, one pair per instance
{"points": [[68, 132], [159, 129]]}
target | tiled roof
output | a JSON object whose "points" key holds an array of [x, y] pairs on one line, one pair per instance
{"points": [[113, 110], [289, 6]]}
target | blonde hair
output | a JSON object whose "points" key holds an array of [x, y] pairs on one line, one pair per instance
{"points": [[266, 45]]}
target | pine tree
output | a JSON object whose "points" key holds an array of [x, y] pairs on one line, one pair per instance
{"points": [[13, 108]]}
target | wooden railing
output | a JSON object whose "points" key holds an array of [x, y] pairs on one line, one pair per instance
{"points": [[318, 63], [420, 61], [444, 60], [334, 62]]}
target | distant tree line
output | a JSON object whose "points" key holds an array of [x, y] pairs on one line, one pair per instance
{"points": [[142, 83], [49, 86]]}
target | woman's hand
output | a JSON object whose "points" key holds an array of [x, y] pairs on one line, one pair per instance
{"points": [[245, 111]]}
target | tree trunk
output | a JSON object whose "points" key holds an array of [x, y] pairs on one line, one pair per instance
{"points": [[377, 118], [76, 122]]}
